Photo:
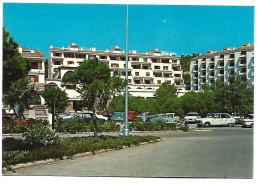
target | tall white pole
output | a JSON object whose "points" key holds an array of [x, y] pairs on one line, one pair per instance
{"points": [[126, 131]]}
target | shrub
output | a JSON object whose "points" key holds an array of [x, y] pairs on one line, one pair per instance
{"points": [[77, 125], [13, 157], [41, 136], [69, 147], [12, 127], [71, 126], [156, 126]]}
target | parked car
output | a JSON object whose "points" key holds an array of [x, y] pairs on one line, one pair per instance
{"points": [[131, 115], [192, 118], [248, 121], [167, 118], [66, 116], [87, 116], [100, 115], [217, 119], [118, 116], [236, 116], [145, 116], [17, 118], [109, 114]]}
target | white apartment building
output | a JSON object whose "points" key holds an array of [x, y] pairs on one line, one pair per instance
{"points": [[146, 71], [36, 74], [214, 65]]}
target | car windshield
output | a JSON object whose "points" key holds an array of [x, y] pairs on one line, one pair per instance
{"points": [[210, 115]]}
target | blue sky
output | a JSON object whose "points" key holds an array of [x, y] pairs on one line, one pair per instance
{"points": [[171, 28]]}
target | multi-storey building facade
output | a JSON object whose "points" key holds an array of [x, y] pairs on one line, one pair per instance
{"points": [[36, 74], [207, 68], [146, 71]]}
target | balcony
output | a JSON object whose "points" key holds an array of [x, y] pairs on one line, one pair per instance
{"points": [[221, 58], [203, 75], [36, 67], [242, 72], [221, 74], [242, 64], [242, 54]]}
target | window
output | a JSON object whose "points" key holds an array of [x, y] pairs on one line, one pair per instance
{"points": [[91, 56], [57, 54], [33, 78], [157, 67], [224, 116], [129, 80], [165, 67], [57, 62], [166, 75], [147, 74], [69, 55], [177, 75], [54, 69], [165, 60], [145, 59], [112, 58], [169, 82], [115, 65], [145, 67], [158, 81], [136, 73], [70, 62], [102, 57], [135, 59], [34, 65]]}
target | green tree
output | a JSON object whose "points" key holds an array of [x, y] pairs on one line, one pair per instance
{"points": [[164, 92], [19, 94], [46, 68], [55, 98], [185, 63], [95, 85], [14, 66], [235, 97]]}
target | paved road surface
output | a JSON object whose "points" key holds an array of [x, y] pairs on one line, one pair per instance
{"points": [[222, 153]]}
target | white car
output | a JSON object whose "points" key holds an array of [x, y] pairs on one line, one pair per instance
{"points": [[217, 119], [192, 118], [249, 121]]}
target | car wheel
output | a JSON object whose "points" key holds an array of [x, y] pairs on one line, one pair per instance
{"points": [[207, 124], [229, 125], [252, 125]]}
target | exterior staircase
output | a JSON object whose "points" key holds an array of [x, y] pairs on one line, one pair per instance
{"points": [[40, 112]]}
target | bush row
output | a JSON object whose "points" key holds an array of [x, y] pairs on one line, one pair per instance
{"points": [[77, 125], [12, 127], [139, 125], [66, 147]]}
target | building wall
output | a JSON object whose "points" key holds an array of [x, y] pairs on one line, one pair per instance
{"points": [[146, 71], [230, 60]]}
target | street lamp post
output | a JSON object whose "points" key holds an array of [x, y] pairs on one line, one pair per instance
{"points": [[126, 131]]}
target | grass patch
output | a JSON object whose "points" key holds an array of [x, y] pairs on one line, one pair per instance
{"points": [[19, 151]]}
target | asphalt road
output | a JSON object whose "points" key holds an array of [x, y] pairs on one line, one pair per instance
{"points": [[221, 153]]}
